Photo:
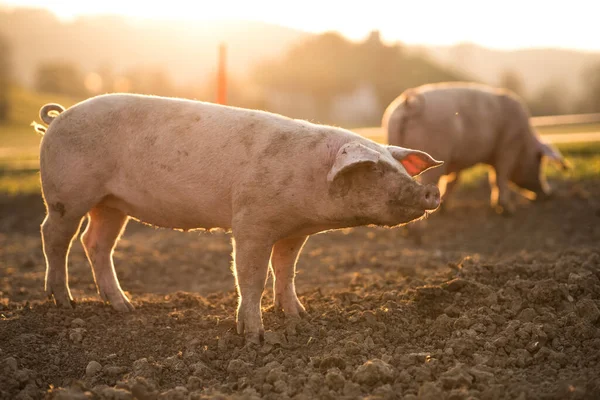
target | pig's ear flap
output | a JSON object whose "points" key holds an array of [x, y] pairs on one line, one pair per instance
{"points": [[554, 154], [352, 155], [413, 161]]}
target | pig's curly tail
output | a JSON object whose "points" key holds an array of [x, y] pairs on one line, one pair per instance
{"points": [[47, 114]]}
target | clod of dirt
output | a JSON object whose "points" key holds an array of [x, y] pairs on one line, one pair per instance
{"points": [[107, 392], [78, 323], [76, 335], [143, 390], [70, 394], [482, 374], [175, 363], [93, 368], [335, 379], [238, 367], [463, 322], [456, 377], [588, 310], [178, 393], [274, 338], [374, 371], [143, 368], [114, 371], [11, 363], [527, 315], [430, 391], [332, 362]]}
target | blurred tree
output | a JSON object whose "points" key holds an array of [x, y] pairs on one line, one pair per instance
{"points": [[511, 80], [320, 66], [591, 97], [5, 77], [107, 76], [328, 65], [60, 78], [550, 100], [239, 92], [153, 80]]}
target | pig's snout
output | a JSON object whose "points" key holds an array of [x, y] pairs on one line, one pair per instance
{"points": [[430, 197]]}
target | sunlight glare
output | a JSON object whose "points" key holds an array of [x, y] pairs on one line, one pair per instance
{"points": [[516, 24]]}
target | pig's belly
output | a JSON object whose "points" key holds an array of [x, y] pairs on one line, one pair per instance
{"points": [[173, 208]]}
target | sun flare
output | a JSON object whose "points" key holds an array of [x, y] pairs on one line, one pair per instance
{"points": [[516, 24]]}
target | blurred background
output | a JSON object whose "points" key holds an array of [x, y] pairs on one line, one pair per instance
{"points": [[328, 62], [325, 61]]}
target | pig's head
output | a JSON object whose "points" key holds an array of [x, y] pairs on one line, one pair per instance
{"points": [[529, 172], [374, 184]]}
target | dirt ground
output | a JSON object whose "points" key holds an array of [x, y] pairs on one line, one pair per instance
{"points": [[488, 307]]}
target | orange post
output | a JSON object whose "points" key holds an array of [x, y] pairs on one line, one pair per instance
{"points": [[222, 76]]}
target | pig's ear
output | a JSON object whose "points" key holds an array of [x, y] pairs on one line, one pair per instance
{"points": [[350, 156], [413, 161], [554, 154]]}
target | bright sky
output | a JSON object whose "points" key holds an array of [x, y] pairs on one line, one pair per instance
{"points": [[503, 24]]}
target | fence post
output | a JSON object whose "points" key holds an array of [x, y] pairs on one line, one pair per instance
{"points": [[222, 75]]}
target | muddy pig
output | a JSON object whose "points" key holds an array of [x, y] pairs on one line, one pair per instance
{"points": [[465, 124], [270, 180]]}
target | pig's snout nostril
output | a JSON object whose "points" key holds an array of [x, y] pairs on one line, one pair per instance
{"points": [[431, 197]]}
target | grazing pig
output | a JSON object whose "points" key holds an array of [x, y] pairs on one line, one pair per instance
{"points": [[175, 163], [465, 124]]}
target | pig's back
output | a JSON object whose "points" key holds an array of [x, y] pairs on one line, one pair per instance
{"points": [[172, 162], [461, 124]]}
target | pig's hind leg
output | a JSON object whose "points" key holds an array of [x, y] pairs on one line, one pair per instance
{"points": [[58, 230], [283, 263], [105, 226]]}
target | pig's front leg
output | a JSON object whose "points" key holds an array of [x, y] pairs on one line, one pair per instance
{"points": [[501, 195], [451, 180], [251, 263], [283, 261]]}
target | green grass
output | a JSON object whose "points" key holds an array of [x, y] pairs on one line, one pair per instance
{"points": [[25, 105], [575, 128], [584, 159], [20, 182], [19, 143]]}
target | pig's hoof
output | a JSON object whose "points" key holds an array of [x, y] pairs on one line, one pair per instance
{"points": [[121, 304], [62, 299], [124, 306], [118, 301], [291, 307], [505, 211], [256, 337]]}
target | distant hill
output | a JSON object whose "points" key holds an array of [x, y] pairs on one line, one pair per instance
{"points": [[537, 67], [188, 50]]}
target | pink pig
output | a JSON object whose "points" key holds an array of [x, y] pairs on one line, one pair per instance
{"points": [[465, 124], [271, 180]]}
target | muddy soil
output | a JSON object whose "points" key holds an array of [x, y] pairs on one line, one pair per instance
{"points": [[487, 307]]}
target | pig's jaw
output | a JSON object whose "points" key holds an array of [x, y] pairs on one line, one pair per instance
{"points": [[325, 225]]}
